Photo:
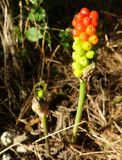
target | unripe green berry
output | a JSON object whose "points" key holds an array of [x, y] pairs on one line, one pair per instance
{"points": [[87, 46], [90, 54], [79, 51], [77, 73], [40, 94], [77, 46], [77, 40], [77, 66], [75, 56], [84, 61]]}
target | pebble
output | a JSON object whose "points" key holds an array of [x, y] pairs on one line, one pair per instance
{"points": [[6, 157], [7, 138], [21, 149]]}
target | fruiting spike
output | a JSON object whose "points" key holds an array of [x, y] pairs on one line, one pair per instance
{"points": [[85, 25]]}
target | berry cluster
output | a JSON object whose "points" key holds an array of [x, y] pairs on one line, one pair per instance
{"points": [[85, 38]]}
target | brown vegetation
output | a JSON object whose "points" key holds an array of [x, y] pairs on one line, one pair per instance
{"points": [[100, 131]]}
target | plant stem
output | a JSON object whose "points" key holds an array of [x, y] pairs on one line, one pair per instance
{"points": [[79, 109], [44, 122]]}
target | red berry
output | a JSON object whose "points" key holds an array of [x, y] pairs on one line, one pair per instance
{"points": [[94, 15], [86, 21], [93, 39], [90, 30], [79, 17], [85, 11], [80, 27], [78, 30], [94, 22]]}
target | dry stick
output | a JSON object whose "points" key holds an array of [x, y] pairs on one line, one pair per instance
{"points": [[11, 146], [79, 109], [40, 139], [59, 131]]}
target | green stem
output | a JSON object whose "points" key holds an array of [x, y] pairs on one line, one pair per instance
{"points": [[79, 110], [44, 122]]}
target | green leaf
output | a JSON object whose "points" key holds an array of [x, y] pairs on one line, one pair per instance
{"points": [[65, 37], [33, 34], [19, 35], [117, 100], [37, 14]]}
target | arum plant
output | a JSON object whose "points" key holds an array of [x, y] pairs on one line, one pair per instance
{"points": [[40, 107], [85, 41]]}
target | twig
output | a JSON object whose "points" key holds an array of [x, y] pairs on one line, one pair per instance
{"points": [[64, 129], [40, 139], [6, 149]]}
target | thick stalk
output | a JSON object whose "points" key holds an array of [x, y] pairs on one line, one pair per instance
{"points": [[79, 109]]}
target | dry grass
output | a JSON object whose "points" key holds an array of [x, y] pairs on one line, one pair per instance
{"points": [[100, 131]]}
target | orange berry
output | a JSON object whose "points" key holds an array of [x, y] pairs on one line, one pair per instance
{"points": [[90, 30], [84, 11], [94, 14], [74, 33], [79, 17], [93, 39], [84, 37]]}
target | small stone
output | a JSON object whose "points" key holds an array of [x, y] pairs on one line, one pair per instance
{"points": [[7, 138], [6, 157], [21, 149]]}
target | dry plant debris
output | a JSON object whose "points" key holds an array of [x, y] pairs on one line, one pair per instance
{"points": [[100, 131]]}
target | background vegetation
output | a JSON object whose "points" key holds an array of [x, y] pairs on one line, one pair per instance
{"points": [[36, 45]]}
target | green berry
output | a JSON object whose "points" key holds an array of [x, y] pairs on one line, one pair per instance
{"points": [[77, 66], [77, 73], [77, 40], [76, 46], [87, 46], [75, 56], [40, 94], [84, 61], [79, 51], [90, 54]]}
